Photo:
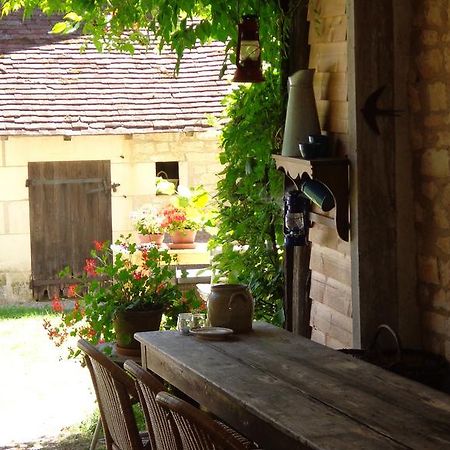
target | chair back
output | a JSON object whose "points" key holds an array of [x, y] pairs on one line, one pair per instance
{"points": [[161, 428], [114, 390], [198, 431]]}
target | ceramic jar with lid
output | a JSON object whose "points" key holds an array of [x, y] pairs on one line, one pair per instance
{"points": [[230, 306]]}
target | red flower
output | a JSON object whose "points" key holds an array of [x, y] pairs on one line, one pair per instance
{"points": [[90, 267], [71, 291], [137, 275], [160, 287], [98, 245], [56, 304]]}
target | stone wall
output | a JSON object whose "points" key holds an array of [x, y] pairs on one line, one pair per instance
{"points": [[429, 92], [133, 163]]}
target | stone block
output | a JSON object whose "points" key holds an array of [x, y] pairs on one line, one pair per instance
{"points": [[209, 157], [320, 318], [429, 190], [337, 344], [443, 139], [20, 289], [433, 343], [414, 99], [429, 37], [338, 338], [430, 63], [435, 163], [318, 336], [122, 174], [416, 137], [428, 270], [16, 254], [437, 96], [21, 150], [434, 121], [447, 350], [440, 300], [440, 216], [18, 218], [443, 244], [144, 179], [121, 209], [434, 13], [3, 216], [12, 183], [436, 322], [444, 272]]}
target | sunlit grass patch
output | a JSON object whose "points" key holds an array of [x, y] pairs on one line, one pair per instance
{"points": [[25, 311]]}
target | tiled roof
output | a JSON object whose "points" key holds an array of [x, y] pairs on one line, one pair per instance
{"points": [[48, 87]]}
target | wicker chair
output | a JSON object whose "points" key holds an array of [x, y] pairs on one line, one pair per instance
{"points": [[162, 430], [115, 392], [198, 431]]}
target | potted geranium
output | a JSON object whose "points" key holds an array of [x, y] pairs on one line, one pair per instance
{"points": [[148, 222], [187, 213], [115, 289]]}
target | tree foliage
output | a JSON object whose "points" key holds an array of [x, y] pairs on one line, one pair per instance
{"points": [[118, 24]]}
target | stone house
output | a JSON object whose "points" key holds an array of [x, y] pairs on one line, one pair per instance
{"points": [[66, 114]]}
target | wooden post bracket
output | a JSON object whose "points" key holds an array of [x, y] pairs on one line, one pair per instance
{"points": [[334, 173]]}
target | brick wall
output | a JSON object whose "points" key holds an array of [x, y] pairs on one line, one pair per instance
{"points": [[429, 92]]}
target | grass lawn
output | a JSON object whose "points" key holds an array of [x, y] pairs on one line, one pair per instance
{"points": [[45, 398]]}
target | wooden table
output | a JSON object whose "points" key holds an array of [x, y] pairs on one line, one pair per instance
{"points": [[287, 392]]}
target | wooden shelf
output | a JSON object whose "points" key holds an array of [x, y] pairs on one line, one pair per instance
{"points": [[334, 173]]}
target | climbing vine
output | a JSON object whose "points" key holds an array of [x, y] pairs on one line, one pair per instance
{"points": [[250, 219]]}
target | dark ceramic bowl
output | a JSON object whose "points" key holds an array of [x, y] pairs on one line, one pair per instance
{"points": [[314, 150], [318, 138]]}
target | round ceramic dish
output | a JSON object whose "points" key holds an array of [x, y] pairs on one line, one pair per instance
{"points": [[212, 333]]}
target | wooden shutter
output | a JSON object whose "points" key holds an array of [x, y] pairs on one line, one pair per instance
{"points": [[70, 207]]}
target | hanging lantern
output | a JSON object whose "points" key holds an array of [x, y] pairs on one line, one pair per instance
{"points": [[248, 52]]}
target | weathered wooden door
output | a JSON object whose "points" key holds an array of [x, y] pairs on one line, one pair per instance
{"points": [[70, 207]]}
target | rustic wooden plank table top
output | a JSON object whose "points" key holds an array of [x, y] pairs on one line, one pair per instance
{"points": [[287, 392]]}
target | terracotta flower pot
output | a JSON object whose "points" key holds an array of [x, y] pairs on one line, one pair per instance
{"points": [[126, 323], [151, 238], [183, 236]]}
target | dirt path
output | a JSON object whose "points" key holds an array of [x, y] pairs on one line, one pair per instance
{"points": [[41, 392]]}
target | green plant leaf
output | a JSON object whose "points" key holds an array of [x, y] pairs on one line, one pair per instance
{"points": [[59, 27]]}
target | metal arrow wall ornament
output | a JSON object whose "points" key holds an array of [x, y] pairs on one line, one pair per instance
{"points": [[371, 110]]}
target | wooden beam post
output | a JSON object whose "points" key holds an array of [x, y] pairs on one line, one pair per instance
{"points": [[382, 226], [297, 273]]}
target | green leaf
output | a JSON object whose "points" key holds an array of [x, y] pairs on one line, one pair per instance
{"points": [[73, 16], [59, 27]]}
